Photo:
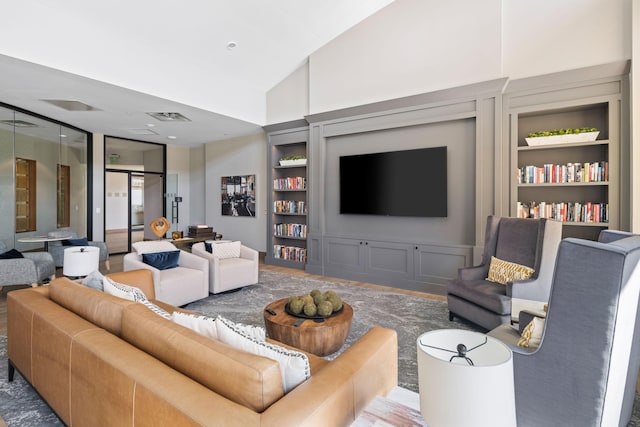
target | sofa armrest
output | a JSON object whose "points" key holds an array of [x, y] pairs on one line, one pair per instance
{"points": [[189, 260], [248, 253], [18, 271], [338, 393]]}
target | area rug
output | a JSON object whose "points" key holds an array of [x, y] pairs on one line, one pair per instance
{"points": [[409, 315]]}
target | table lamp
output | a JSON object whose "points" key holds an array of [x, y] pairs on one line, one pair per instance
{"points": [[465, 378], [79, 261]]}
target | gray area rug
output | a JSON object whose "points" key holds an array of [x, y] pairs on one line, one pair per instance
{"points": [[410, 316]]}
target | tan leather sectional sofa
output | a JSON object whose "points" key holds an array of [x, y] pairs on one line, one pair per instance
{"points": [[103, 361]]}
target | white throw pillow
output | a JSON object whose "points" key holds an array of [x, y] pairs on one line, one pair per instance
{"points": [[294, 365], [151, 246], [204, 325], [120, 290], [226, 250]]}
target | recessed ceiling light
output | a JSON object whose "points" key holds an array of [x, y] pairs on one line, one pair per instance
{"points": [[150, 125], [171, 137], [231, 45], [63, 135]]}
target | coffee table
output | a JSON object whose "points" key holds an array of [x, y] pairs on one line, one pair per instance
{"points": [[320, 338]]}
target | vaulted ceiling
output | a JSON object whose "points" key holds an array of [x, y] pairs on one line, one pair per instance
{"points": [[103, 66]]}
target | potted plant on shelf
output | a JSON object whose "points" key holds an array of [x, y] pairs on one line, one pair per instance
{"points": [[298, 160], [562, 136]]}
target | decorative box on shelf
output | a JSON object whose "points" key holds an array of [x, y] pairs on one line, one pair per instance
{"points": [[295, 162], [563, 139], [201, 231]]}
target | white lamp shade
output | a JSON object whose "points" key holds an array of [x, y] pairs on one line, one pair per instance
{"points": [[453, 392], [80, 260]]}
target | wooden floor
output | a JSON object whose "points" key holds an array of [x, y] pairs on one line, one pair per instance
{"points": [[115, 262]]}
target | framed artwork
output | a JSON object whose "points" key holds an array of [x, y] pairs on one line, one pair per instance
{"points": [[238, 195]]}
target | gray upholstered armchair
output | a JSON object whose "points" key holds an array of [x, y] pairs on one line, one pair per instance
{"points": [[33, 269], [529, 242], [584, 371], [56, 248]]}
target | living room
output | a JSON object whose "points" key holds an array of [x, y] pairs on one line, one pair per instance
{"points": [[367, 90]]}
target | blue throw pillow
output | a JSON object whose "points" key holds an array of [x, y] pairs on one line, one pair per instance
{"points": [[162, 260], [11, 254], [207, 247], [75, 242]]}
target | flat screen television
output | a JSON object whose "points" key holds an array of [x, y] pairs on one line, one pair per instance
{"points": [[395, 183]]}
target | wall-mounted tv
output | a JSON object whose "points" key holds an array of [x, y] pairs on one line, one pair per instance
{"points": [[395, 183]]}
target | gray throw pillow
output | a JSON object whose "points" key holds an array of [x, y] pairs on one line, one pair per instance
{"points": [[94, 280]]}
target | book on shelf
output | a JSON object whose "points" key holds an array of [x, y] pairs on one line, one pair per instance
{"points": [[567, 173], [289, 206], [579, 212], [291, 253], [290, 230], [290, 183]]}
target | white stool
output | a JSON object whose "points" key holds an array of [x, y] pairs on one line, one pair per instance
{"points": [[79, 261]]}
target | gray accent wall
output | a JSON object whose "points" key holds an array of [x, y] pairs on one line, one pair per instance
{"points": [[407, 252]]}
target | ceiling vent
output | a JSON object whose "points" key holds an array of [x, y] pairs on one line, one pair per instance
{"points": [[19, 123], [169, 117], [142, 131], [70, 105]]}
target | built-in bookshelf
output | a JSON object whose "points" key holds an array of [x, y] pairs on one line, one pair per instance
{"points": [[287, 228], [569, 182]]}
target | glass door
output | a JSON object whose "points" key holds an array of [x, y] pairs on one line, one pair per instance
{"points": [[117, 235]]}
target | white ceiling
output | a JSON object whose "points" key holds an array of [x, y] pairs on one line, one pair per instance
{"points": [[127, 58]]}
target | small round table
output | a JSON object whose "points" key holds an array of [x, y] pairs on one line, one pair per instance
{"points": [[42, 239], [319, 338]]}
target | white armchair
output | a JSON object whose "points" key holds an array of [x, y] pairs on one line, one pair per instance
{"points": [[232, 267], [180, 285]]}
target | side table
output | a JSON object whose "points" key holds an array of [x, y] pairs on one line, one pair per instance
{"points": [[320, 338]]}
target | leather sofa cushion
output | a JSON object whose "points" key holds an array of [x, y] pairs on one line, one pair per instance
{"points": [[252, 381], [97, 307]]}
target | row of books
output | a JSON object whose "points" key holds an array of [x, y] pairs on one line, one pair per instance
{"points": [[565, 211], [290, 206], [290, 230], [571, 172], [290, 183], [292, 253]]}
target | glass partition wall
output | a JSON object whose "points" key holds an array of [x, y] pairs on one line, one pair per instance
{"points": [[43, 178]]}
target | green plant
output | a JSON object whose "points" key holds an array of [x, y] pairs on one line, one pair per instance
{"points": [[554, 132], [297, 157]]}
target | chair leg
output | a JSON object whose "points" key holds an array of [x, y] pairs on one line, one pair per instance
{"points": [[450, 317], [11, 370], [1, 289], [107, 265]]}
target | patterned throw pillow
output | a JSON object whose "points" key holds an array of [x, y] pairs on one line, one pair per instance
{"points": [[226, 249], [532, 333], [120, 290], [504, 272], [131, 293], [204, 325], [294, 365]]}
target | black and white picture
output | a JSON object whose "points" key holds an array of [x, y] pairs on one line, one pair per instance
{"points": [[238, 195]]}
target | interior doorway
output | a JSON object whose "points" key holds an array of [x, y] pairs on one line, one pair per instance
{"points": [[133, 200]]}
